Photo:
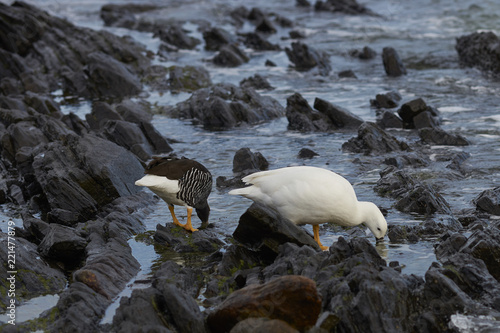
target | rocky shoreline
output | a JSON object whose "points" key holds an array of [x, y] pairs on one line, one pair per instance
{"points": [[71, 181]]}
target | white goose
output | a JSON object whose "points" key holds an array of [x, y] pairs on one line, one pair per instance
{"points": [[311, 195]]}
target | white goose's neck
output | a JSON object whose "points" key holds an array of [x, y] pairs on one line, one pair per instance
{"points": [[365, 211]]}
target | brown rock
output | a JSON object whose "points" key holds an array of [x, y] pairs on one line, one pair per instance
{"points": [[293, 299]]}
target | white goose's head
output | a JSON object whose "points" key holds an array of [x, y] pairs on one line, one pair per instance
{"points": [[373, 218]]}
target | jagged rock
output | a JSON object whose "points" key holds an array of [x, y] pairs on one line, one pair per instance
{"points": [[489, 201], [305, 58], [403, 160], [389, 120], [438, 136], [224, 106], [479, 49], [189, 280], [417, 114], [230, 56], [176, 36], [263, 230], [372, 139], [412, 195], [257, 42], [294, 299], [109, 77], [328, 117], [75, 190], [265, 26], [256, 82], [215, 38], [392, 63], [388, 100]]}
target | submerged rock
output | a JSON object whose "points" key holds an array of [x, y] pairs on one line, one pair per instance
{"points": [[182, 241]]}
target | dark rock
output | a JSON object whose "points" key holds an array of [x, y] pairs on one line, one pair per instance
{"points": [[301, 117], [215, 38], [416, 114], [176, 36], [387, 101], [295, 34], [372, 139], [246, 162], [188, 78], [36, 228], [224, 106], [77, 179], [339, 116], [256, 14], [263, 230], [401, 161], [256, 82], [412, 195], [109, 77], [129, 136], [305, 58], [258, 43], [144, 310], [34, 276], [293, 299], [134, 112], [347, 74], [124, 16], [366, 53], [230, 56], [438, 136], [389, 120], [183, 311], [343, 6], [479, 49], [101, 112], [265, 26], [424, 120], [306, 153], [489, 201], [189, 280], [64, 244], [392, 63], [183, 241]]}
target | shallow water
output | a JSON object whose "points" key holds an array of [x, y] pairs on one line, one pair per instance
{"points": [[422, 32]]}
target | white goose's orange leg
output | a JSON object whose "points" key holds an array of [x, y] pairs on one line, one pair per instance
{"points": [[188, 226], [176, 221], [316, 237]]}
